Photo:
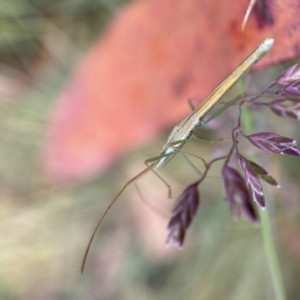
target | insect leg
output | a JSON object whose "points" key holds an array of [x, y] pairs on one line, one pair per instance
{"points": [[149, 205], [150, 167], [223, 108], [191, 105]]}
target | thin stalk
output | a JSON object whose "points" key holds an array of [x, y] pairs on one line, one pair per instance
{"points": [[266, 228]]}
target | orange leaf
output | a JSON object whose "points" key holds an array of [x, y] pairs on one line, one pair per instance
{"points": [[156, 54]]}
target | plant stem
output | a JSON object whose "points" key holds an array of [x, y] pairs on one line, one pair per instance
{"points": [[272, 256], [266, 228]]}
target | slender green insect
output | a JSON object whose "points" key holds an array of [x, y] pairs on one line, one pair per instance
{"points": [[182, 132]]}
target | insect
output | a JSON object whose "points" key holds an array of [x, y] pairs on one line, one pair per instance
{"points": [[182, 132]]}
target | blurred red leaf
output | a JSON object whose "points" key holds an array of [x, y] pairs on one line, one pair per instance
{"points": [[154, 56]]}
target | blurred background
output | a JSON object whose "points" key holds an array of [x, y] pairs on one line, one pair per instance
{"points": [[45, 224]]}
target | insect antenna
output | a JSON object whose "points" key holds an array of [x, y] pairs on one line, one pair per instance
{"points": [[107, 210], [132, 180]]}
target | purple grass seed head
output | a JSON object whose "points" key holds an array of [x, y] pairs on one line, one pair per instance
{"points": [[183, 213]]}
